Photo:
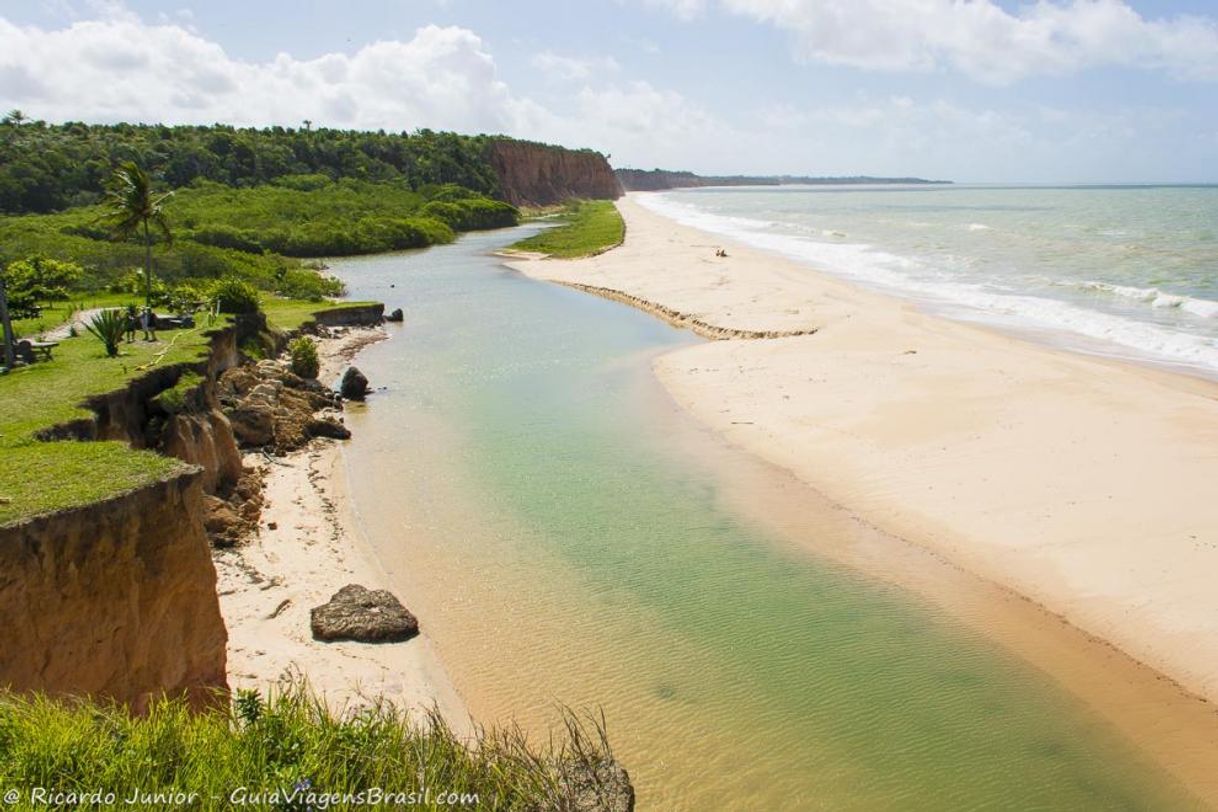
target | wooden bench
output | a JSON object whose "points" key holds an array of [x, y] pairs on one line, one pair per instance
{"points": [[29, 351]]}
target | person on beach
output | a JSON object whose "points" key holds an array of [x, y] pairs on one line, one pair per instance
{"points": [[148, 322]]}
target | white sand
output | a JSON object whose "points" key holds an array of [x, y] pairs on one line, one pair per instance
{"points": [[268, 585], [1087, 485]]}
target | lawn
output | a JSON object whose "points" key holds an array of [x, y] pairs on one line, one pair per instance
{"points": [[589, 227], [38, 477]]}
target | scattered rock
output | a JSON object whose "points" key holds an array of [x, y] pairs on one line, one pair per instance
{"points": [[354, 385], [272, 525], [603, 786], [272, 408], [329, 427], [360, 614], [222, 522], [253, 423], [396, 315]]}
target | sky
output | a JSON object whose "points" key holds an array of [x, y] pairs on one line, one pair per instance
{"points": [[1055, 91]]}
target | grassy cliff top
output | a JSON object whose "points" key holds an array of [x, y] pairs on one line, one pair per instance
{"points": [[40, 477]]}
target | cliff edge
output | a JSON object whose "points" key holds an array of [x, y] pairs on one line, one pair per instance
{"points": [[542, 175]]}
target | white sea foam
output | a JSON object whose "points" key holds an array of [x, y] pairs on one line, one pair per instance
{"points": [[989, 301], [1201, 308], [978, 227]]}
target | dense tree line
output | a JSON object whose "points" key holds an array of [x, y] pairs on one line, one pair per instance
{"points": [[46, 167], [255, 233]]}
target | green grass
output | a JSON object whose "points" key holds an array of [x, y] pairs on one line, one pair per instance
{"points": [[289, 741], [39, 477], [289, 314], [591, 226], [56, 313]]}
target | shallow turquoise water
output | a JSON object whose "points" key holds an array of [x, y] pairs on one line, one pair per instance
{"points": [[568, 550]]}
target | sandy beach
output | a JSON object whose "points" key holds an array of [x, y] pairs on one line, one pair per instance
{"points": [[309, 544], [1081, 483]]}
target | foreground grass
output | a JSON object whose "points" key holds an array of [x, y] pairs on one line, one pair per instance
{"points": [[590, 227], [38, 477], [274, 753]]}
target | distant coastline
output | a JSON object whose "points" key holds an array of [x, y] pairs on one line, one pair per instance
{"points": [[654, 180]]}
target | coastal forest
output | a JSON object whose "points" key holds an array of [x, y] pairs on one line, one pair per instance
{"points": [[247, 203]]}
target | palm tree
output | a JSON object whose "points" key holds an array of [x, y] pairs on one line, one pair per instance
{"points": [[134, 209], [15, 117]]}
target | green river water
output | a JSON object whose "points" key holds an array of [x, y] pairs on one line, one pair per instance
{"points": [[536, 500]]}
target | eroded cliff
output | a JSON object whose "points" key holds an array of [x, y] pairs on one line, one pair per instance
{"points": [[542, 175], [115, 599]]}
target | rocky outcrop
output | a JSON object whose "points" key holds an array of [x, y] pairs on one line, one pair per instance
{"points": [[270, 407], [116, 599], [364, 615], [354, 385], [542, 175]]}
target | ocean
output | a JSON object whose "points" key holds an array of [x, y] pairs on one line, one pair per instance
{"points": [[1129, 272]]}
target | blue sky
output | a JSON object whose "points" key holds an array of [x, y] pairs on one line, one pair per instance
{"points": [[1077, 91]]}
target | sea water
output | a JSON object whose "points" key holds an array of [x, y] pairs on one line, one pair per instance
{"points": [[534, 497], [1124, 271]]}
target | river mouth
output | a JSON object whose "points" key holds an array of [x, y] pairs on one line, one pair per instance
{"points": [[566, 536]]}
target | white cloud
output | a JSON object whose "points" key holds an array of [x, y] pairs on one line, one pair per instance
{"points": [[569, 68], [981, 39], [120, 68]]}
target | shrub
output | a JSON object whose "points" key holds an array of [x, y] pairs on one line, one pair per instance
{"points": [[304, 357], [109, 326], [225, 236], [233, 295], [42, 279], [302, 283]]}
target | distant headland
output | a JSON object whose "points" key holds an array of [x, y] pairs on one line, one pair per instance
{"points": [[653, 180]]}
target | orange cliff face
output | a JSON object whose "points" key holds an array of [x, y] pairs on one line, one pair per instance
{"points": [[540, 175], [115, 600]]}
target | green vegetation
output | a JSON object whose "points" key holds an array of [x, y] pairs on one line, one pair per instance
{"points": [[303, 351], [88, 226], [176, 398], [256, 234], [590, 227], [247, 204], [31, 282], [132, 209], [38, 477], [45, 168], [109, 326], [232, 295], [291, 743]]}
